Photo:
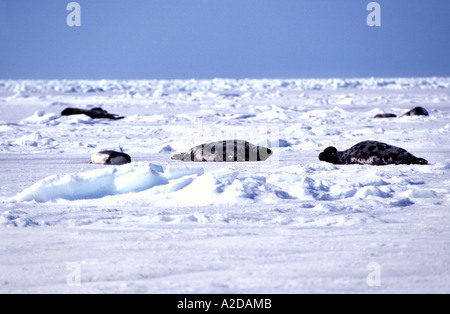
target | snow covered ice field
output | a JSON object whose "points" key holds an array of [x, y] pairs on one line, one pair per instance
{"points": [[291, 224]]}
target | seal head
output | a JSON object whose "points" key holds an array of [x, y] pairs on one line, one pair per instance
{"points": [[329, 155]]}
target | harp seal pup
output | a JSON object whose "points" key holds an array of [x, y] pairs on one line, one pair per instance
{"points": [[371, 153], [225, 151], [109, 157]]}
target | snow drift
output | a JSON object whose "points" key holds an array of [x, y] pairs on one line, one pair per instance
{"points": [[179, 185], [103, 182]]}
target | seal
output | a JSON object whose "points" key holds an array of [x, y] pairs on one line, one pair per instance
{"points": [[370, 153], [94, 113], [109, 157], [225, 151], [418, 111], [385, 115]]}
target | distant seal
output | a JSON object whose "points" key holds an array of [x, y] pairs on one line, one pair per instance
{"points": [[418, 111], [385, 115], [370, 153], [109, 157], [225, 151], [94, 113]]}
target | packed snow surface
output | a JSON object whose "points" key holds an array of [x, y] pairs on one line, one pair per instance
{"points": [[291, 224]]}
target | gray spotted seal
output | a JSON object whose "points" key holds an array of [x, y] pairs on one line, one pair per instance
{"points": [[370, 153], [225, 151], [109, 157]]}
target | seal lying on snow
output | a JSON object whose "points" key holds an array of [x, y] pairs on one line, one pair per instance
{"points": [[385, 115], [94, 113], [418, 111], [370, 153], [109, 157], [225, 151]]}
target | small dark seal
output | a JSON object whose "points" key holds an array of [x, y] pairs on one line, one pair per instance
{"points": [[225, 151], [371, 153], [109, 157], [385, 115], [94, 113]]}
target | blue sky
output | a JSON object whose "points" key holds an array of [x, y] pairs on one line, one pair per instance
{"points": [[183, 39]]}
